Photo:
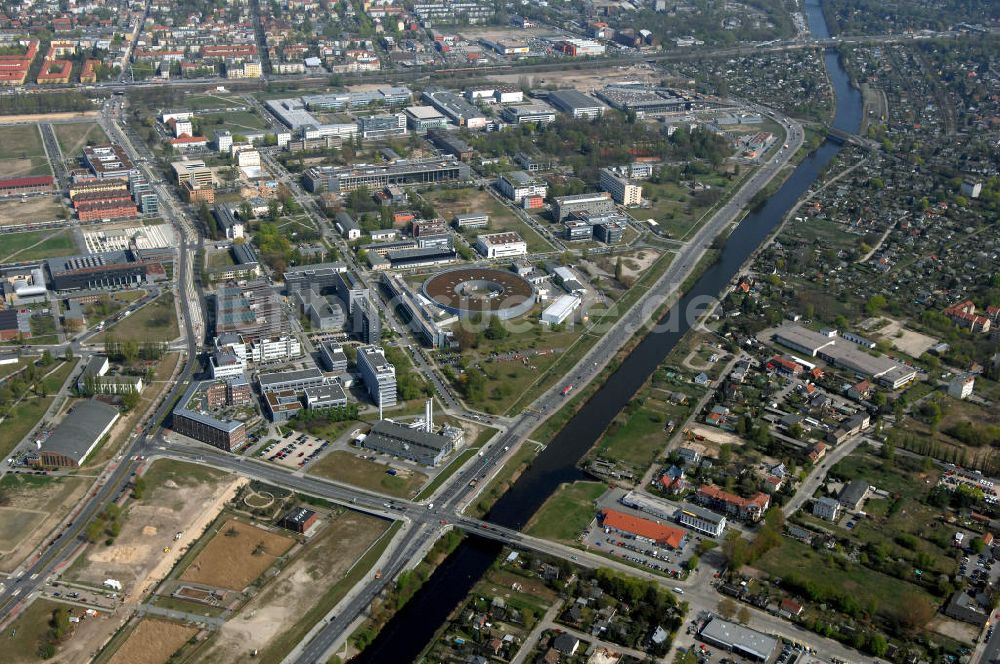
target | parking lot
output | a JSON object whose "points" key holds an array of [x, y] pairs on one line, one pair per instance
{"points": [[294, 450], [639, 551], [980, 570]]}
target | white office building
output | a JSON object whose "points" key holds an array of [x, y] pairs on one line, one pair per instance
{"points": [[378, 375], [501, 245], [516, 185], [561, 309], [701, 519]]}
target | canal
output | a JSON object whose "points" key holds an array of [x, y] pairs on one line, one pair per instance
{"points": [[412, 628]]}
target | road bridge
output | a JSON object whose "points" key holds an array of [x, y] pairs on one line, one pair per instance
{"points": [[842, 137]]}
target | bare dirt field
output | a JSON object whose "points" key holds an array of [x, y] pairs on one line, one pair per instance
{"points": [[299, 586], [906, 341], [36, 208], [237, 554], [638, 261], [47, 117], [48, 499], [153, 642], [586, 80], [715, 437], [953, 629], [137, 558]]}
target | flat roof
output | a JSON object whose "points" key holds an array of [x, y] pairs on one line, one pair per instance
{"points": [[288, 376], [390, 431], [326, 392], [702, 513], [81, 429], [803, 337], [423, 112], [731, 635], [574, 99]]}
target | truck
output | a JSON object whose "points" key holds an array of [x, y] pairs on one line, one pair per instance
{"points": [[566, 390]]}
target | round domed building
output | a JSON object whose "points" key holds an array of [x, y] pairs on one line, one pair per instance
{"points": [[480, 291]]}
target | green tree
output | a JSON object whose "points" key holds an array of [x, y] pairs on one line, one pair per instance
{"points": [[727, 608]]}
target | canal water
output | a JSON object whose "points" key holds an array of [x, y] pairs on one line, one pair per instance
{"points": [[412, 628]]}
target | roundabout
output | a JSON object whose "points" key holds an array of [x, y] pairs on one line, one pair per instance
{"points": [[480, 291]]}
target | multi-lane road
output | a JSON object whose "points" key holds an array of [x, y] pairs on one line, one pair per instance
{"points": [[56, 551], [425, 521]]}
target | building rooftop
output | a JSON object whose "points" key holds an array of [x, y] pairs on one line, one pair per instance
{"points": [[81, 429], [573, 99], [281, 377], [740, 639]]}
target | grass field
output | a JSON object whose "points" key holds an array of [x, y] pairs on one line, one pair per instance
{"points": [[153, 642], [567, 512], [506, 381], [157, 321], [345, 467], [198, 102], [180, 473], [36, 208], [74, 136], [235, 121], [837, 576], [279, 617], [634, 439], [234, 560], [22, 637], [8, 369], [22, 152], [221, 258], [36, 245], [46, 498], [32, 408], [449, 202]]}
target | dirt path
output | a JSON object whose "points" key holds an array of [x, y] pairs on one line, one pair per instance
{"points": [[47, 117], [188, 537]]}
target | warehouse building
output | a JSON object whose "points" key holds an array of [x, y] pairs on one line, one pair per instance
{"points": [[564, 306], [78, 434], [418, 445], [108, 270], [739, 640], [450, 143], [533, 113], [576, 104]]}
